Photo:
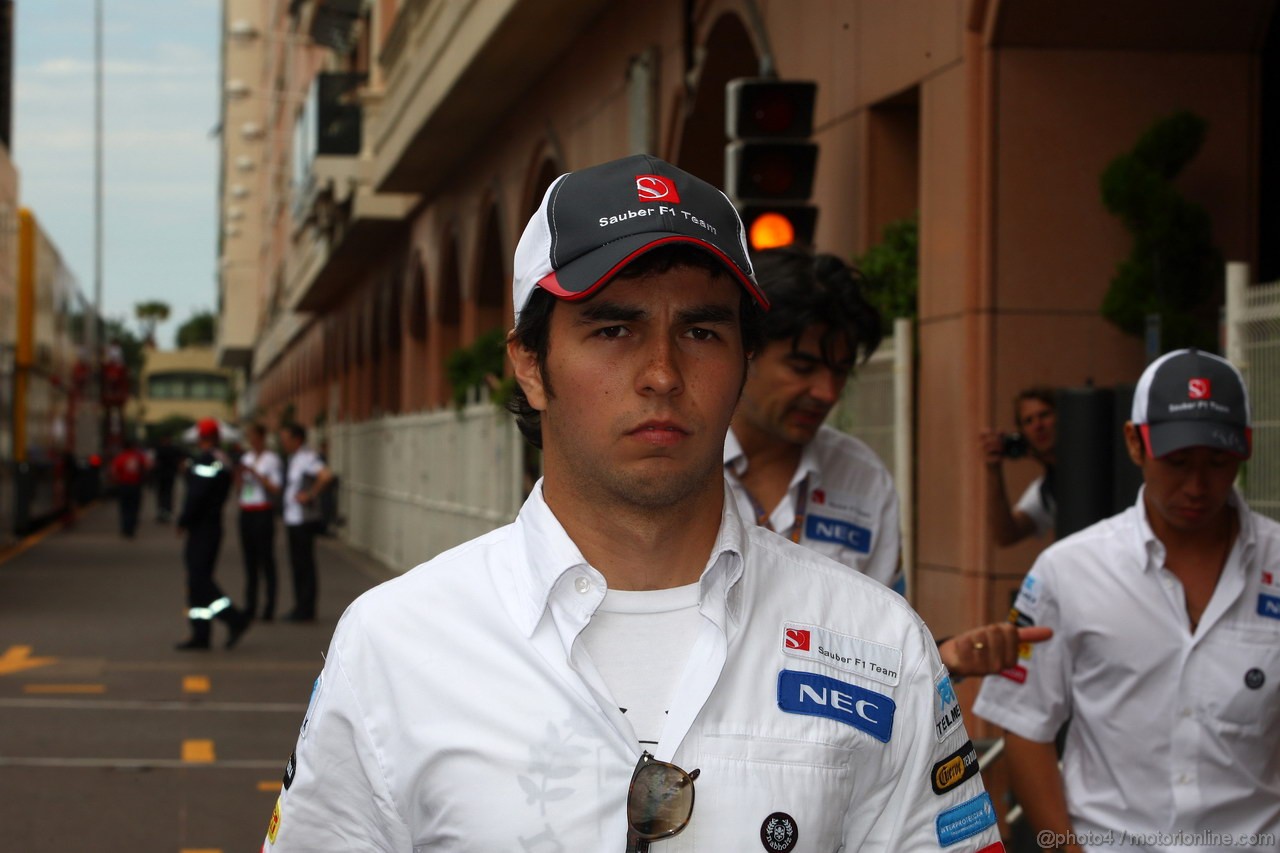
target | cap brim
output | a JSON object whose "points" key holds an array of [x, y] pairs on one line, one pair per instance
{"points": [[583, 276], [1166, 438]]}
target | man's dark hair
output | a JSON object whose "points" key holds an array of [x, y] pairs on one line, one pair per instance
{"points": [[296, 430], [1042, 393], [807, 289], [533, 331]]}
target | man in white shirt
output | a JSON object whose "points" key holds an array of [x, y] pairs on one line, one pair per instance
{"points": [[258, 482], [560, 684], [1035, 415], [815, 485], [1166, 653], [306, 477]]}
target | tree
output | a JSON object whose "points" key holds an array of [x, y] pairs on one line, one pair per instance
{"points": [[149, 315], [1174, 270], [200, 330], [890, 270]]}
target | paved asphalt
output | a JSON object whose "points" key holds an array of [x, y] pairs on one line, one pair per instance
{"points": [[110, 740]]}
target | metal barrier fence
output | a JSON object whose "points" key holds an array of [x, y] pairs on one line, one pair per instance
{"points": [[1253, 345], [878, 407], [412, 486]]}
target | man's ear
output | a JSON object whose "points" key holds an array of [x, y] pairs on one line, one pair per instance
{"points": [[1134, 444], [524, 364]]}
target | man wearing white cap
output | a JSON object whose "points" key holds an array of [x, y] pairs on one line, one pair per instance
{"points": [[560, 684], [1166, 647]]}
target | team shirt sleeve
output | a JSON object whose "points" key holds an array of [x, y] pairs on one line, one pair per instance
{"points": [[937, 801], [334, 795], [1033, 698]]}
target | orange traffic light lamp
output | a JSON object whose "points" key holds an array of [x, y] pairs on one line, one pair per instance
{"points": [[778, 225]]}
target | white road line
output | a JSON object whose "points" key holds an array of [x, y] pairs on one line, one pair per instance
{"points": [[147, 705]]}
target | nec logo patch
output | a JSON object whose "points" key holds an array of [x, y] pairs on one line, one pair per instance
{"points": [[656, 188], [1269, 606], [819, 529], [820, 696], [797, 638], [1198, 389]]}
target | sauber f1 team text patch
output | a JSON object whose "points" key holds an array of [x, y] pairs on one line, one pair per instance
{"points": [[821, 696], [861, 657]]}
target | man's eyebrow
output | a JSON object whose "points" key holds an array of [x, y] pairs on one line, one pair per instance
{"points": [[706, 314], [810, 358], [605, 311]]}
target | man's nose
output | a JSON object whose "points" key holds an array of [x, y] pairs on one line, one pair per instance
{"points": [[826, 387], [661, 372]]}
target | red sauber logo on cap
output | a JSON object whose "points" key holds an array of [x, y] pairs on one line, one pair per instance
{"points": [[797, 639], [1198, 389], [656, 188]]}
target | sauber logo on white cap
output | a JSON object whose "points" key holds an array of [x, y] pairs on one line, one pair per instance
{"points": [[656, 188], [1198, 389]]}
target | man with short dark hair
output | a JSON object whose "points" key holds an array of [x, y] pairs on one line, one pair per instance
{"points": [[561, 684], [1166, 654], [306, 476]]}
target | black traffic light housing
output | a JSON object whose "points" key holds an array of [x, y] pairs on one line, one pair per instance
{"points": [[769, 161]]}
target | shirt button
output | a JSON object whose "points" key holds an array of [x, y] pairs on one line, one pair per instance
{"points": [[582, 585], [1184, 779], [1186, 712]]}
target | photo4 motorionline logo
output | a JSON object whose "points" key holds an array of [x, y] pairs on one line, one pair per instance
{"points": [[1049, 840]]}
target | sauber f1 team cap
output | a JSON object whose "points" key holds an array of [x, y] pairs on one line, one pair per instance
{"points": [[595, 221], [1188, 398]]}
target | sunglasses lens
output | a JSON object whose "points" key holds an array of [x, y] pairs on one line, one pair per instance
{"points": [[660, 802]]}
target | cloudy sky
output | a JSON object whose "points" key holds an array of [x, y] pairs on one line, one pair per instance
{"points": [[160, 158]]}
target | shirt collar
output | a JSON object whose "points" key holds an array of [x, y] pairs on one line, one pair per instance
{"points": [[549, 556]]}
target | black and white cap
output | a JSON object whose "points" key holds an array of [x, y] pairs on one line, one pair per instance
{"points": [[595, 221], [1188, 398]]}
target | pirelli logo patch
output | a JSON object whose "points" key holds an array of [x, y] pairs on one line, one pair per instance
{"points": [[954, 770]]}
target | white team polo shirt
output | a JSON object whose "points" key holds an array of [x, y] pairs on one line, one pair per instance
{"points": [[1169, 730], [851, 505], [267, 465], [1033, 505], [305, 462], [457, 711]]}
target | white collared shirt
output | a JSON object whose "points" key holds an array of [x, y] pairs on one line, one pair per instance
{"points": [[267, 465], [851, 512], [458, 711], [1041, 509], [303, 463], [1169, 730]]}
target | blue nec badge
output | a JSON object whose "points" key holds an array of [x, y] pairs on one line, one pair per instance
{"points": [[823, 696], [820, 529], [1269, 606], [965, 820]]}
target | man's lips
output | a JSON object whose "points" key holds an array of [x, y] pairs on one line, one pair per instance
{"points": [[661, 433]]}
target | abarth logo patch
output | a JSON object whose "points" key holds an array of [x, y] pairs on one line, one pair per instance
{"points": [[870, 660], [819, 696], [779, 833]]}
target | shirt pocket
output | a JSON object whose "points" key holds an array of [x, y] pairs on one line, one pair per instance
{"points": [[770, 794], [1245, 677]]}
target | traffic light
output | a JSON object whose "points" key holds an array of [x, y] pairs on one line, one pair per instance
{"points": [[770, 161]]}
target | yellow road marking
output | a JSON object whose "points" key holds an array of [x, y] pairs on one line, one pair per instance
{"points": [[64, 688], [18, 658], [269, 787], [197, 751], [195, 684], [30, 540]]}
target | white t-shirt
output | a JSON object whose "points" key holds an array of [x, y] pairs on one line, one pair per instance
{"points": [[305, 462], [1042, 510], [640, 641], [851, 505], [267, 465], [1170, 731], [457, 711]]}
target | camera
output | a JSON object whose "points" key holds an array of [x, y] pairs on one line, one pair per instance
{"points": [[1013, 445]]}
